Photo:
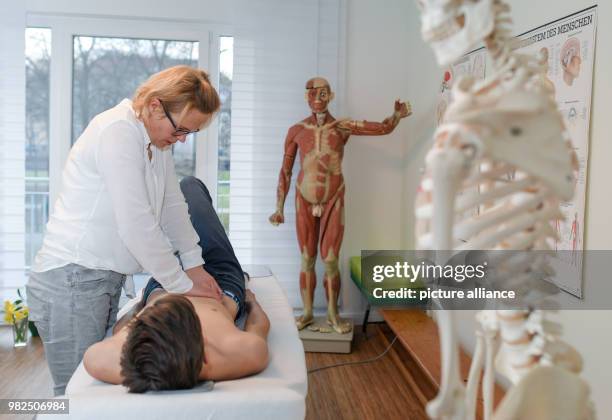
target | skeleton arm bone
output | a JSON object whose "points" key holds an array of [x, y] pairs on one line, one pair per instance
{"points": [[371, 128], [284, 178]]}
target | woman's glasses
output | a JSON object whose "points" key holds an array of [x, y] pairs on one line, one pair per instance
{"points": [[178, 131]]}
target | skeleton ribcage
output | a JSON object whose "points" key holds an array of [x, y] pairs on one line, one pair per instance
{"points": [[499, 207]]}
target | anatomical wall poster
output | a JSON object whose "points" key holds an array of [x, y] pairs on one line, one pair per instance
{"points": [[569, 46]]}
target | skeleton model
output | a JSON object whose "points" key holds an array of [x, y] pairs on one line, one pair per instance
{"points": [[319, 194], [493, 180]]}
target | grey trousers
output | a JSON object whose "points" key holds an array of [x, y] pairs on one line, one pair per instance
{"points": [[72, 307]]}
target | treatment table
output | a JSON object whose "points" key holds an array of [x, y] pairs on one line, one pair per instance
{"points": [[279, 392]]}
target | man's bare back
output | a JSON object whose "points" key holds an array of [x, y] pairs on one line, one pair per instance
{"points": [[229, 353]]}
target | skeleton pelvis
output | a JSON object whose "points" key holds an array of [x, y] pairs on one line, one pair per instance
{"points": [[546, 392]]}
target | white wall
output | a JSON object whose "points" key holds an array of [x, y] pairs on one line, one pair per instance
{"points": [[379, 68], [392, 37]]}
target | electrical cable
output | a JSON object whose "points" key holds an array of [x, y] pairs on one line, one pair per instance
{"points": [[355, 362]]}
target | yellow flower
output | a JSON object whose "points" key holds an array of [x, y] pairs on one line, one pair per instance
{"points": [[8, 306], [14, 313]]}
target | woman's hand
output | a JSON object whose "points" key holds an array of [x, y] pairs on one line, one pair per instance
{"points": [[204, 285]]}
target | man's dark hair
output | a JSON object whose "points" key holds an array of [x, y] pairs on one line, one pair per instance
{"points": [[164, 347]]}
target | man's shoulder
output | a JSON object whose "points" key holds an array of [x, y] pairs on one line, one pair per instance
{"points": [[234, 354], [244, 348]]}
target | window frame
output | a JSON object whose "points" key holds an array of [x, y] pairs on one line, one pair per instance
{"points": [[64, 28]]}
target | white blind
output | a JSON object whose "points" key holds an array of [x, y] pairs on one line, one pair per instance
{"points": [[12, 147], [278, 46]]}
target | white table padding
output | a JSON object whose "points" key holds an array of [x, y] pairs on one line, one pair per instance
{"points": [[279, 392]]}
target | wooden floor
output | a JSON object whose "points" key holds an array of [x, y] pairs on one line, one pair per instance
{"points": [[23, 371], [369, 391], [375, 390]]}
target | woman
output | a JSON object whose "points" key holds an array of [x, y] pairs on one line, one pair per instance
{"points": [[120, 211]]}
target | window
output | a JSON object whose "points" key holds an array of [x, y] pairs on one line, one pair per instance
{"points": [[226, 68], [106, 70], [38, 61]]}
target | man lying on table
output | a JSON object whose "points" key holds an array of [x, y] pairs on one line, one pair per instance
{"points": [[172, 341], [176, 341]]}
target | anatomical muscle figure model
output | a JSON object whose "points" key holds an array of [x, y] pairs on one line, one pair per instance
{"points": [[319, 196], [506, 124]]}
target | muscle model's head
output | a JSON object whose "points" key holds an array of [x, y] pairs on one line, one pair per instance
{"points": [[318, 94]]}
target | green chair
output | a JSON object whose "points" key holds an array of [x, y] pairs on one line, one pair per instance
{"points": [[392, 283]]}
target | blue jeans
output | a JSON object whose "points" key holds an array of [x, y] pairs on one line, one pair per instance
{"points": [[219, 257]]}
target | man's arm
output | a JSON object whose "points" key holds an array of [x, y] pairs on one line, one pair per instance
{"points": [[284, 178], [241, 354], [370, 128], [244, 352], [103, 359], [257, 322]]}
